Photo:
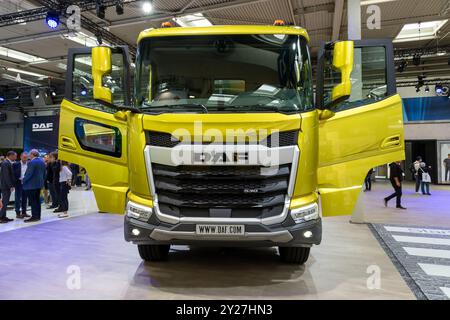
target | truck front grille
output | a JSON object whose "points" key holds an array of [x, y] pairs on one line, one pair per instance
{"points": [[221, 191], [279, 139]]}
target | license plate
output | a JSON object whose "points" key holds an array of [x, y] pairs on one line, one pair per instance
{"points": [[220, 230]]}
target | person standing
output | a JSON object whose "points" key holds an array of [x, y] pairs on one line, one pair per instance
{"points": [[65, 179], [414, 168], [425, 178], [20, 199], [447, 168], [368, 180], [7, 183], [33, 182], [50, 182], [56, 169], [396, 178]]}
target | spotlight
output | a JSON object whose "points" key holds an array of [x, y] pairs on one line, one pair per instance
{"points": [[83, 91], [119, 7], [100, 9], [52, 19], [417, 59], [402, 65], [2, 99], [427, 89], [417, 89], [147, 7], [439, 89]]}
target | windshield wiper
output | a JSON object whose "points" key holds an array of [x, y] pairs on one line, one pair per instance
{"points": [[256, 107], [176, 107]]}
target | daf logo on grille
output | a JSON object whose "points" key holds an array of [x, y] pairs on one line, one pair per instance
{"points": [[251, 190], [221, 157]]}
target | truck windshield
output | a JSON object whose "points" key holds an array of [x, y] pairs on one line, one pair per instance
{"points": [[225, 73]]}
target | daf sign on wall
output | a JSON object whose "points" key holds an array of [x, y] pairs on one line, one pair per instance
{"points": [[41, 133]]}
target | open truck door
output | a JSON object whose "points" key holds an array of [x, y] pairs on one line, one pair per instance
{"points": [[93, 133], [361, 126]]}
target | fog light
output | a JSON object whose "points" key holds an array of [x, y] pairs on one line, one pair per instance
{"points": [[308, 234], [135, 232], [137, 211], [306, 213]]}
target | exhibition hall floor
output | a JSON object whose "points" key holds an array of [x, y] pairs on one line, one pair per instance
{"points": [[85, 257]]}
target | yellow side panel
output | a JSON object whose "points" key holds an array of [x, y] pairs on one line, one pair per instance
{"points": [[109, 175], [352, 142]]}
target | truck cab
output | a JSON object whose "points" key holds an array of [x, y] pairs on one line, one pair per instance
{"points": [[224, 141]]}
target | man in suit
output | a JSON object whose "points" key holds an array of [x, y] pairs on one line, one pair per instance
{"points": [[20, 201], [33, 182], [7, 183]]}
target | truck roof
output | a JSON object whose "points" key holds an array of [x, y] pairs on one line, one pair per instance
{"points": [[223, 30]]}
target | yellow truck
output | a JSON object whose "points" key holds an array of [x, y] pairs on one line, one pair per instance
{"points": [[225, 140]]}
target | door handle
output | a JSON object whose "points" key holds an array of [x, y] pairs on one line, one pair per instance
{"points": [[392, 141], [68, 143]]}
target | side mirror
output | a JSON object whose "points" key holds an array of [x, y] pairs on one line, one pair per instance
{"points": [[101, 66], [343, 55]]}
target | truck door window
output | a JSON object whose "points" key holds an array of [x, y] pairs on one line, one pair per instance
{"points": [[369, 78], [82, 82], [98, 137]]}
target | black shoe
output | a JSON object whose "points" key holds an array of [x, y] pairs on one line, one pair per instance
{"points": [[52, 207], [400, 207], [385, 203], [3, 221], [32, 220], [57, 210], [428, 194], [23, 216], [18, 216]]}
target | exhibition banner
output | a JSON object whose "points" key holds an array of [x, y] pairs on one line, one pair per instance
{"points": [[41, 133]]}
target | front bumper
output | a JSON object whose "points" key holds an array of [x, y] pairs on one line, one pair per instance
{"points": [[287, 234]]}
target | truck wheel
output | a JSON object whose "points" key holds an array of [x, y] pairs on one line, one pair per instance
{"points": [[154, 252], [297, 255]]}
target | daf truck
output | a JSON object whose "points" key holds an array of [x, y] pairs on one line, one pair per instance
{"points": [[218, 136]]}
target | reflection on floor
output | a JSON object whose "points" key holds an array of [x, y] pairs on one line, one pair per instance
{"points": [[85, 257], [81, 202]]}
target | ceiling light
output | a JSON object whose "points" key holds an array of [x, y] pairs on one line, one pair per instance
{"points": [[83, 39], [52, 19], [147, 7], [193, 20], [420, 31], [427, 89], [10, 53], [20, 80], [369, 2], [2, 99], [27, 73]]}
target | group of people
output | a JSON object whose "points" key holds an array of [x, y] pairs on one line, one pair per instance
{"points": [[422, 177], [28, 177]]}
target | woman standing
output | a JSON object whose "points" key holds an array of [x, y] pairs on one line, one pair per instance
{"points": [[65, 179], [425, 178]]}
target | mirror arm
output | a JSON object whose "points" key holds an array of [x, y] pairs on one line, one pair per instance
{"points": [[119, 108]]}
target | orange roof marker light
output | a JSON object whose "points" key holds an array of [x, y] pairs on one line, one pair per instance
{"points": [[279, 23], [166, 24]]}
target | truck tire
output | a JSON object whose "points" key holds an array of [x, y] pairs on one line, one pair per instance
{"points": [[297, 255], [154, 252]]}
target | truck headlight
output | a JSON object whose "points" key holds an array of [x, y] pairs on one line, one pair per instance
{"points": [[306, 213], [139, 212]]}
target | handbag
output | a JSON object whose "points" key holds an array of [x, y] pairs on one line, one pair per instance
{"points": [[425, 176]]}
